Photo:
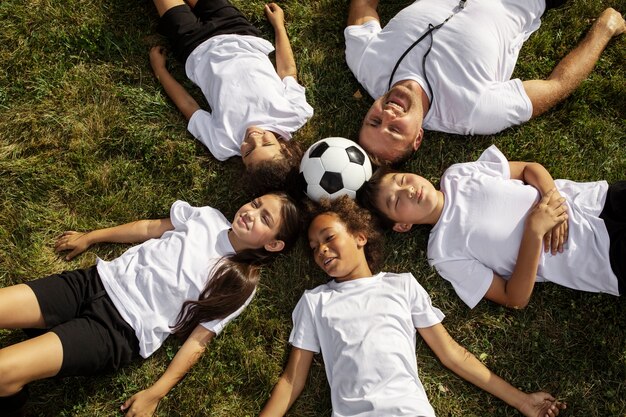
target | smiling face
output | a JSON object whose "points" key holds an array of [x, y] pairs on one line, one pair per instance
{"points": [[260, 145], [257, 223], [408, 199], [337, 251], [393, 125]]}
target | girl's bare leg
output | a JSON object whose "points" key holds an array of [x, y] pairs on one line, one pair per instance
{"points": [[19, 308], [29, 361], [164, 5]]}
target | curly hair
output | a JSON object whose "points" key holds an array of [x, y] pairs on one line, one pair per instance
{"points": [[272, 175], [368, 193], [357, 220]]}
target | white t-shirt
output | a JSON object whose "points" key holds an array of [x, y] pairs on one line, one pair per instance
{"points": [[469, 67], [149, 282], [243, 89], [482, 223], [365, 329]]}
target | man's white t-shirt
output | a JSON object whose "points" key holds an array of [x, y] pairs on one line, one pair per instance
{"points": [[469, 66], [366, 329], [243, 90], [149, 282], [482, 223]]}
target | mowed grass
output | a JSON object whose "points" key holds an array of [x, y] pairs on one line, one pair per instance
{"points": [[88, 139]]}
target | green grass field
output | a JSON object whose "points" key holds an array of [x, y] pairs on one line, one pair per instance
{"points": [[88, 139]]}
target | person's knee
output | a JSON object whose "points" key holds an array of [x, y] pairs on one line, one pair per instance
{"points": [[9, 378]]}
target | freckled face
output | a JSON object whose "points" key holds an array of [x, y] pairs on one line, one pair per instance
{"points": [[260, 145]]}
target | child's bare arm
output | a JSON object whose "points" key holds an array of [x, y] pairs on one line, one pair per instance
{"points": [[517, 290], [175, 91], [290, 384], [538, 176], [145, 402], [467, 366], [135, 232], [285, 62]]}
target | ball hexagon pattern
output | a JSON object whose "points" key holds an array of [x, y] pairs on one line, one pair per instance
{"points": [[333, 167]]}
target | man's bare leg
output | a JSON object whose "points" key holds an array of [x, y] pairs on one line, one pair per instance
{"points": [[577, 65]]}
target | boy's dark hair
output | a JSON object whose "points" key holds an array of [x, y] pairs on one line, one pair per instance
{"points": [[271, 175], [367, 194], [357, 220], [234, 277]]}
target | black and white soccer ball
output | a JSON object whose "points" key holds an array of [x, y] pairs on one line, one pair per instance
{"points": [[333, 167]]}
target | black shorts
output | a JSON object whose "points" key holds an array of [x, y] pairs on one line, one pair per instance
{"points": [[76, 307], [187, 28], [614, 216]]}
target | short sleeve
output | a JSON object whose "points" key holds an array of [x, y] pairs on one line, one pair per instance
{"points": [[180, 212], [423, 313], [216, 326], [295, 93], [470, 279], [304, 332], [493, 162], [200, 126], [500, 106], [357, 38]]}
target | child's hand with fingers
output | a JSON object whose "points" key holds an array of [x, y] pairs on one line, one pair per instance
{"points": [[142, 404], [158, 57], [541, 404], [546, 214], [275, 14], [554, 239], [76, 242]]}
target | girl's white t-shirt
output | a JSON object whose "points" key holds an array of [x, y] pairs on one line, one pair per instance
{"points": [[366, 331], [149, 282], [243, 90]]}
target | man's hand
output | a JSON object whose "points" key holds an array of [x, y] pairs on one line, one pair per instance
{"points": [[612, 21], [76, 242], [541, 404], [275, 15]]}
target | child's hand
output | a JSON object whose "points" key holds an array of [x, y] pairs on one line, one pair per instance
{"points": [[158, 57], [541, 404], [554, 239], [142, 404], [76, 242], [546, 214], [275, 14]]}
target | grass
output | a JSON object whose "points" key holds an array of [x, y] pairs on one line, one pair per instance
{"points": [[88, 140]]}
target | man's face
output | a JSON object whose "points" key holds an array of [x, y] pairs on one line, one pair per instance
{"points": [[393, 125]]}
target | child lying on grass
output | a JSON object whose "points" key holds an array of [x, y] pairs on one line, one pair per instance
{"points": [[491, 218], [254, 107], [190, 274], [365, 326]]}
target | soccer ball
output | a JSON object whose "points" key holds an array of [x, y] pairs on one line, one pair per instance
{"points": [[333, 167]]}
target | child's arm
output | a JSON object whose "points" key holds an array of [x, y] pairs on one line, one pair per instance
{"points": [[538, 176], [285, 62], [465, 365], [145, 402], [516, 292], [176, 92], [135, 232], [290, 384]]}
